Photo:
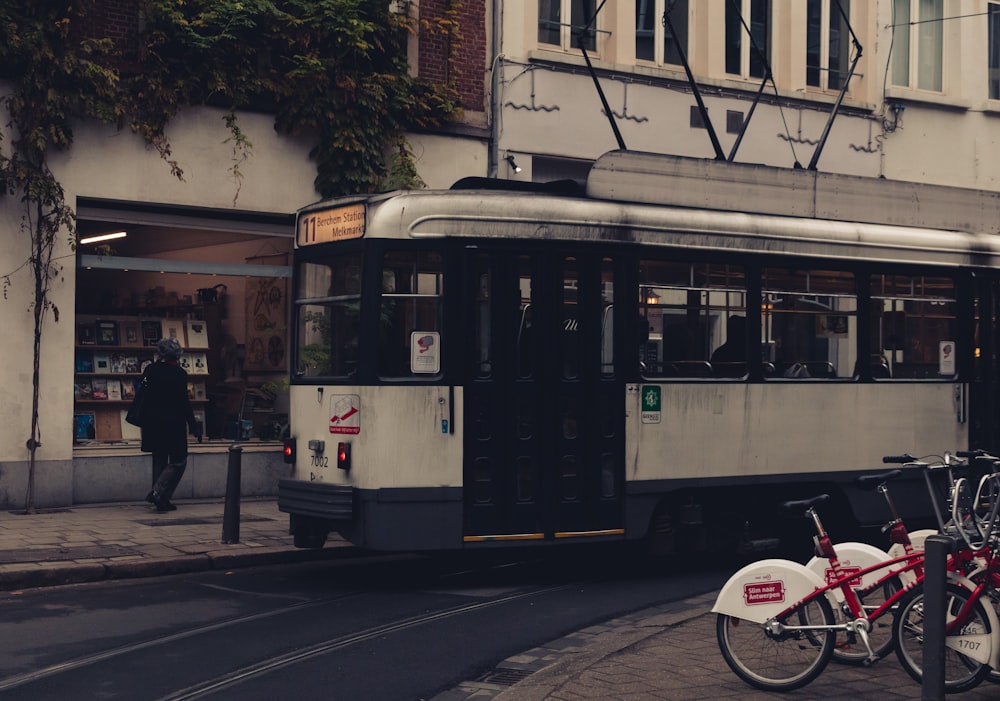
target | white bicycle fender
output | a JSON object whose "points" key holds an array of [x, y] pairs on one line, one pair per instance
{"points": [[917, 539], [980, 646], [853, 557], [764, 589]]}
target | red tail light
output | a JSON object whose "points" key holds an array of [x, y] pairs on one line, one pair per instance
{"points": [[344, 456], [289, 450]]}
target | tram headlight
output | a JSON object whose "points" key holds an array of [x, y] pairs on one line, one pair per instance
{"points": [[344, 456], [289, 451]]}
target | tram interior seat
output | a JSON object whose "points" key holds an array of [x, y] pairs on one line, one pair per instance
{"points": [[688, 368], [821, 368]]}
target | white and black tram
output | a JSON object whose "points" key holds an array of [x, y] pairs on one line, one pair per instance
{"points": [[662, 354]]}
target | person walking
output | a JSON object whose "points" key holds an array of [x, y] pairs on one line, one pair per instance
{"points": [[167, 414]]}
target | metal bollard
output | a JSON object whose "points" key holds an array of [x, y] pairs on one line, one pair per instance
{"points": [[231, 511], [936, 549]]}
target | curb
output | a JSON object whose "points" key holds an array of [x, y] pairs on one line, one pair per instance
{"points": [[30, 576]]}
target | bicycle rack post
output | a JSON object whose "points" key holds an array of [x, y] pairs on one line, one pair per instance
{"points": [[231, 509], [936, 549]]}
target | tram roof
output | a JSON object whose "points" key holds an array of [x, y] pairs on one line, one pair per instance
{"points": [[699, 204]]}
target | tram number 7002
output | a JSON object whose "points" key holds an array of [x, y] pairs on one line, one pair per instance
{"points": [[319, 461]]}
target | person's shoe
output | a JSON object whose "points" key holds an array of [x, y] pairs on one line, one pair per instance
{"points": [[161, 503], [149, 497], [170, 505]]}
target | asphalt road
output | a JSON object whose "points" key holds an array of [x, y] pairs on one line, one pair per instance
{"points": [[385, 628]]}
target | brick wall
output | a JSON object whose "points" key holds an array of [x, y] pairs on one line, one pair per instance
{"points": [[468, 57]]}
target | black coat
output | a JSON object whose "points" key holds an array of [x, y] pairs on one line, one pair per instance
{"points": [[166, 409]]}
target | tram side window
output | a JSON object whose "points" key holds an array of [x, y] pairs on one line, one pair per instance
{"points": [[327, 314], [412, 285], [809, 323], [914, 325], [684, 310]]}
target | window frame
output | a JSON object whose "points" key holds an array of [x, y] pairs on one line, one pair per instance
{"points": [[746, 57], [567, 35], [915, 41], [823, 70], [682, 22], [993, 50]]}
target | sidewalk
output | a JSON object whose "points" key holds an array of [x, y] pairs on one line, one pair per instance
{"points": [[663, 653], [116, 541]]}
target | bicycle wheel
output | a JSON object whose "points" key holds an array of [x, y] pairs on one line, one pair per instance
{"points": [[961, 673], [778, 661], [849, 648]]}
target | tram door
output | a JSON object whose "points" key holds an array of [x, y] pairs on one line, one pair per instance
{"points": [[544, 405]]}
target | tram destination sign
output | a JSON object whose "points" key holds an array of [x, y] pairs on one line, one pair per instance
{"points": [[335, 224]]}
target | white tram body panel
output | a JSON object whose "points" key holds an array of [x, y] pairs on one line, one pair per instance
{"points": [[718, 430], [400, 437]]}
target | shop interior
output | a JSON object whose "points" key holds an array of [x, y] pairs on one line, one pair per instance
{"points": [[219, 284]]}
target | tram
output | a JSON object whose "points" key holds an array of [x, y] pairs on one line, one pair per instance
{"points": [[659, 356]]}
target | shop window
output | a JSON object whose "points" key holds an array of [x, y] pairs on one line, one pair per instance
{"points": [[328, 306], [684, 313], [809, 323], [410, 314], [914, 325], [993, 64]]}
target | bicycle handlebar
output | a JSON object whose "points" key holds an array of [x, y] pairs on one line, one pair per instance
{"points": [[899, 459]]}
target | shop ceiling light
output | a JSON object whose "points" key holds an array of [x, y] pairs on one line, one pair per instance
{"points": [[97, 238]]}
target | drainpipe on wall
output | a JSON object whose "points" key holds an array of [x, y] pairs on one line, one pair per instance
{"points": [[496, 38]]}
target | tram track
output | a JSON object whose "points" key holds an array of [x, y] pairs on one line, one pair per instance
{"points": [[231, 679]]}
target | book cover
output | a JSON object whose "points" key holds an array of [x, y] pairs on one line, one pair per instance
{"points": [[173, 328], [199, 391], [128, 388], [84, 426], [129, 432], [102, 362], [197, 333], [118, 363], [131, 335], [99, 388], [82, 390], [86, 333], [145, 360], [132, 364], [199, 364], [185, 363], [84, 360], [107, 333], [114, 390], [151, 332]]}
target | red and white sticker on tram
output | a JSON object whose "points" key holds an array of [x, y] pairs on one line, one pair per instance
{"points": [[345, 413]]}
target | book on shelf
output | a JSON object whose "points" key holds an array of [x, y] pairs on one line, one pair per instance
{"points": [[84, 360], [145, 360], [151, 330], [132, 363], [102, 361], [118, 363], [107, 333], [196, 391], [173, 328], [99, 388], [114, 390], [83, 390], [199, 363], [129, 432], [197, 333], [131, 334], [86, 333], [84, 426], [128, 388]]}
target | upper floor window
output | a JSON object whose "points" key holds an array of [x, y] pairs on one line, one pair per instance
{"points": [[994, 59], [745, 54], [554, 29], [918, 43], [653, 41], [828, 43]]}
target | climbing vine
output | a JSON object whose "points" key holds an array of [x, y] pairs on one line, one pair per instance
{"points": [[333, 71]]}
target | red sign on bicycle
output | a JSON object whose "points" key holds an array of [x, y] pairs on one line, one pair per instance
{"points": [[832, 576], [764, 593]]}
